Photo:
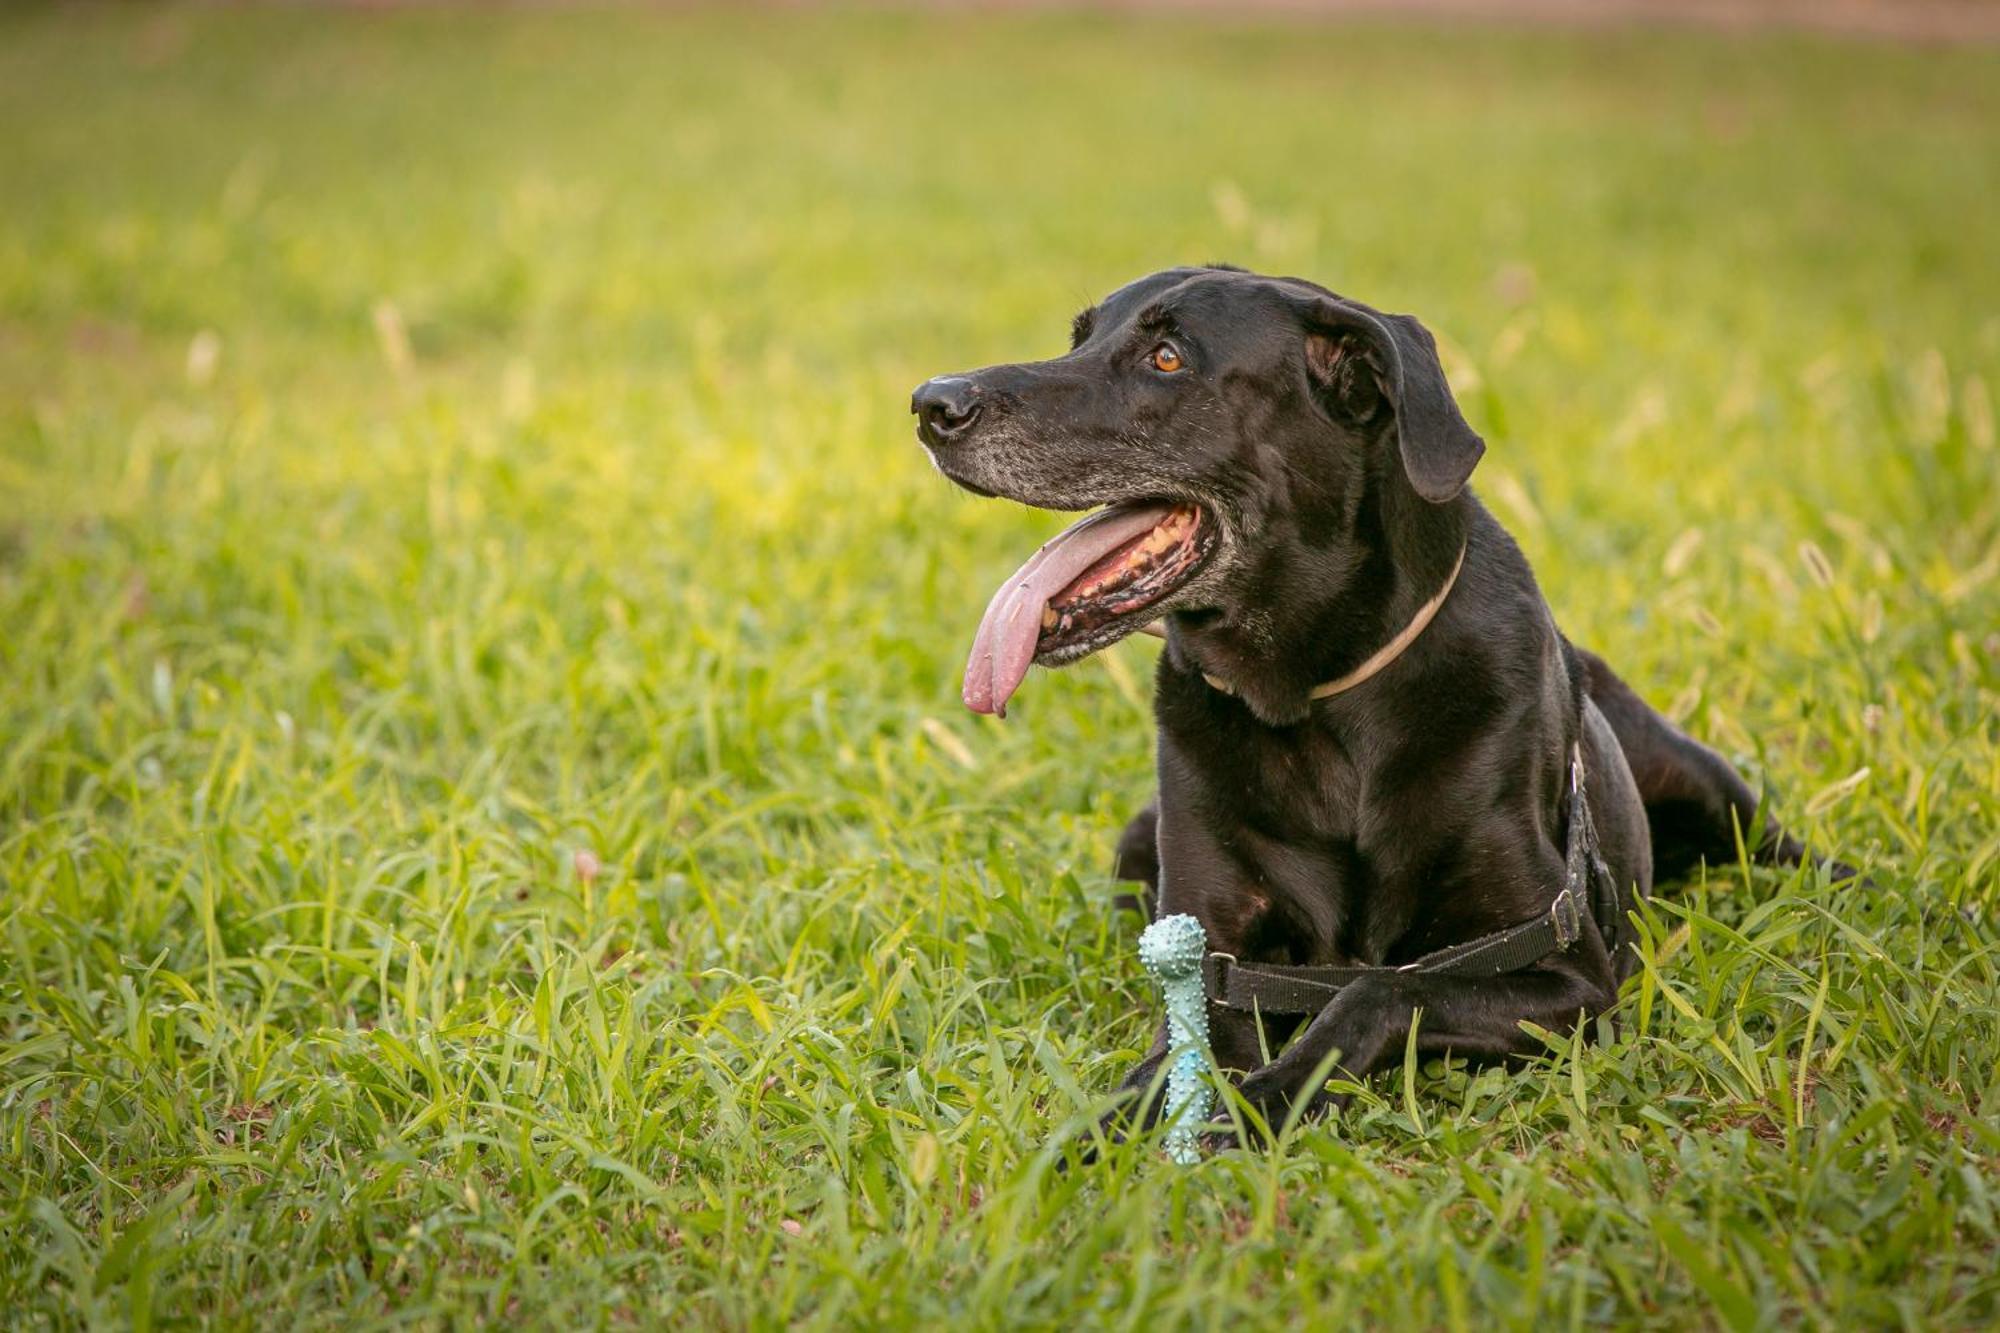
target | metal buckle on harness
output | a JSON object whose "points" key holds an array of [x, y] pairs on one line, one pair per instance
{"points": [[1218, 965], [1565, 917]]}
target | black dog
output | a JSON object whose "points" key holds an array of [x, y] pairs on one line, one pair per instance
{"points": [[1367, 716]]}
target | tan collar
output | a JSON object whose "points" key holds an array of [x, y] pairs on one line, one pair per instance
{"points": [[1384, 655]]}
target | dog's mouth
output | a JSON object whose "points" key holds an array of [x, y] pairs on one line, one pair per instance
{"points": [[1092, 584]]}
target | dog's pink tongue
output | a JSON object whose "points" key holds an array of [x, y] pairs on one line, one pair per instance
{"points": [[1004, 648]]}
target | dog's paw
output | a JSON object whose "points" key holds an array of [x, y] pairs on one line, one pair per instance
{"points": [[1112, 1130], [1220, 1135], [1274, 1108]]}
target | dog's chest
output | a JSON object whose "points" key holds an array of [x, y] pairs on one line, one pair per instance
{"points": [[1272, 857], [1297, 786]]}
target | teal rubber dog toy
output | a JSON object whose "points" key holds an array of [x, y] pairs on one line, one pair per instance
{"points": [[1171, 949]]}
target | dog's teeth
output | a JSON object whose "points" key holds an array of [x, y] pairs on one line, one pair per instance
{"points": [[1156, 556]]}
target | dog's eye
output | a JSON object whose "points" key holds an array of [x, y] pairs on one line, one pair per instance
{"points": [[1166, 358]]}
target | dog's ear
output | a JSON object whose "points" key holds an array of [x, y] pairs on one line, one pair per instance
{"points": [[1439, 450]]}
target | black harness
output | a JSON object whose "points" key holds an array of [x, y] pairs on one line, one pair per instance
{"points": [[1587, 885]]}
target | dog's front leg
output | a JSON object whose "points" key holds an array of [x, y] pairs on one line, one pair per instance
{"points": [[1232, 1036], [1368, 1025], [1137, 861]]}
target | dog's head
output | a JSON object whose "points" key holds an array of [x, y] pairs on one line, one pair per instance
{"points": [[1255, 439]]}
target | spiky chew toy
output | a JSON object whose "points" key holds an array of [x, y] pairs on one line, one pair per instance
{"points": [[1171, 949]]}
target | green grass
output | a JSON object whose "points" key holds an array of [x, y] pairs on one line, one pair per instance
{"points": [[486, 827]]}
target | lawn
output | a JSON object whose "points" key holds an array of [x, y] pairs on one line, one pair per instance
{"points": [[486, 825]]}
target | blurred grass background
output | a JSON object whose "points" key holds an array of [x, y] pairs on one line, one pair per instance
{"points": [[486, 827]]}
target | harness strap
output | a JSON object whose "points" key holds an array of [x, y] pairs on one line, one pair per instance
{"points": [[1583, 862], [1274, 988]]}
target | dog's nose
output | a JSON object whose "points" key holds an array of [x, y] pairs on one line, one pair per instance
{"points": [[946, 407]]}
